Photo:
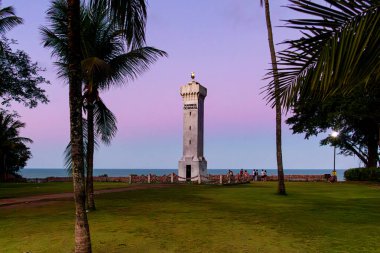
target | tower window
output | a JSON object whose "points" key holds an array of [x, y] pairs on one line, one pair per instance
{"points": [[189, 141], [190, 113], [189, 127]]}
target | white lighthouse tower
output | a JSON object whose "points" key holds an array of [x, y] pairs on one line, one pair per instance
{"points": [[193, 164]]}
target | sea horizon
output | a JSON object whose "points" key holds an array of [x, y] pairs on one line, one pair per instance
{"points": [[120, 172]]}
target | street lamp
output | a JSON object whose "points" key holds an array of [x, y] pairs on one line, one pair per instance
{"points": [[334, 135]]}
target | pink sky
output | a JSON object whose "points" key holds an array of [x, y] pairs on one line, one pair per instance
{"points": [[225, 43]]}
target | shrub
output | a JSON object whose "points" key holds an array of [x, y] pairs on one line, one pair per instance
{"points": [[362, 174]]}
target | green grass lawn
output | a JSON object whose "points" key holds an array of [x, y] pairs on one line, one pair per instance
{"points": [[314, 217], [12, 190]]}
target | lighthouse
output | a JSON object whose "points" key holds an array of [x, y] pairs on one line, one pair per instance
{"points": [[193, 163]]}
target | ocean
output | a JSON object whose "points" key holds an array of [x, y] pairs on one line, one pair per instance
{"points": [[42, 173]]}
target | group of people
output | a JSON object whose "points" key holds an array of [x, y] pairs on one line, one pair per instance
{"points": [[263, 175], [243, 175]]}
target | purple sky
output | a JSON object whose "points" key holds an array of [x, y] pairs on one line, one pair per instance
{"points": [[225, 43]]}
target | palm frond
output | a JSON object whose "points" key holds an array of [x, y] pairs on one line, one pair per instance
{"points": [[95, 68], [130, 15], [67, 160], [130, 65], [8, 19], [338, 52], [105, 122]]}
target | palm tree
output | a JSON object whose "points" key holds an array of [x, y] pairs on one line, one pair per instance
{"points": [[280, 167], [56, 39], [82, 230], [13, 150], [337, 53], [105, 62], [133, 22]]}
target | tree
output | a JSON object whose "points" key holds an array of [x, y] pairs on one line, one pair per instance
{"points": [[19, 81], [19, 77], [280, 167], [13, 150], [82, 230], [336, 55], [105, 63], [355, 116], [133, 22]]}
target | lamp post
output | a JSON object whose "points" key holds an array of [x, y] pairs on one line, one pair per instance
{"points": [[334, 134]]}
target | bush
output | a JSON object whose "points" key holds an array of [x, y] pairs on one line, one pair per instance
{"points": [[362, 174]]}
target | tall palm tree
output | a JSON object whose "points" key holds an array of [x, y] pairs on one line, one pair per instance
{"points": [[280, 167], [105, 62], [82, 230], [56, 39], [134, 23], [13, 150]]}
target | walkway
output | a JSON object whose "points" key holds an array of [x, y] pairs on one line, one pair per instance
{"points": [[69, 195]]}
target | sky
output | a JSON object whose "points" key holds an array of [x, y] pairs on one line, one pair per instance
{"points": [[225, 43]]}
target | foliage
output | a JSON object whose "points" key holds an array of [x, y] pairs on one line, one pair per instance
{"points": [[106, 61], [355, 116], [329, 76], [363, 174], [106, 57], [337, 53], [8, 20], [67, 161], [13, 150], [130, 17], [19, 78]]}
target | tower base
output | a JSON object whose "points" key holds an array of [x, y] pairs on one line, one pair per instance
{"points": [[189, 169]]}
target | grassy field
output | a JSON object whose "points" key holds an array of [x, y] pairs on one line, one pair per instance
{"points": [[13, 190], [314, 217]]}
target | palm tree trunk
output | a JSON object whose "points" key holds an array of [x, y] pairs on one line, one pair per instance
{"points": [[82, 231], [90, 157], [280, 168]]}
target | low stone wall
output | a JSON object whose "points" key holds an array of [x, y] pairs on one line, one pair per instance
{"points": [[132, 179], [173, 178], [49, 179], [300, 178], [225, 179]]}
